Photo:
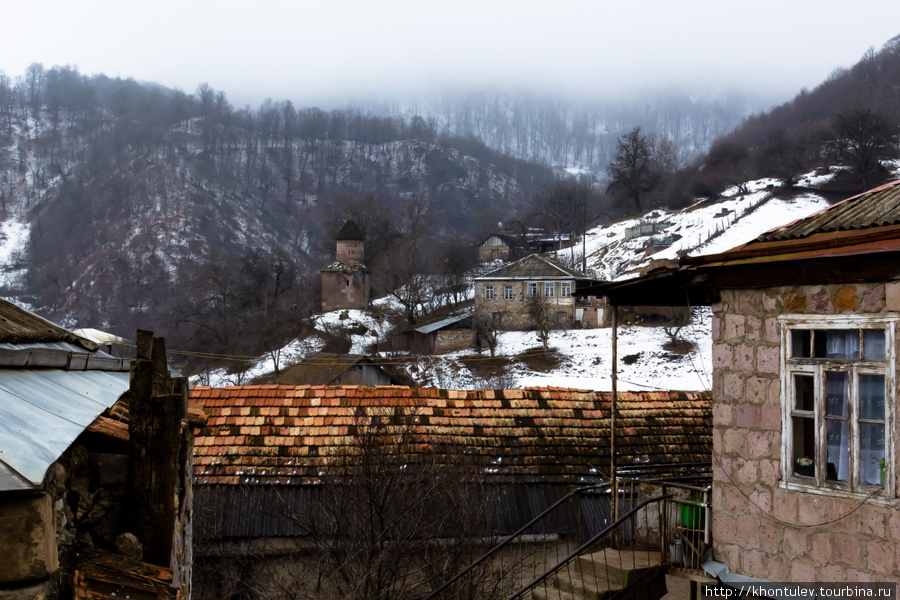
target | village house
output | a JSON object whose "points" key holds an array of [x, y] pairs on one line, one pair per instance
{"points": [[499, 246], [435, 335], [79, 444], [345, 282], [268, 454], [806, 485], [503, 294]]}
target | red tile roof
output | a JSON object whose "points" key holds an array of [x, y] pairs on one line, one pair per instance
{"points": [[275, 434]]}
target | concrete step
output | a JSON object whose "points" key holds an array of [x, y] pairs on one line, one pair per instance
{"points": [[585, 587], [552, 593], [617, 567]]}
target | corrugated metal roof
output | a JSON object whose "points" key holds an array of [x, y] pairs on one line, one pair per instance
{"points": [[59, 355], [879, 206], [533, 266], [43, 411], [429, 327]]}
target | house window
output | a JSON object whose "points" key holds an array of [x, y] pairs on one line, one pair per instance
{"points": [[566, 288], [838, 372], [548, 289], [488, 292], [532, 289], [508, 292]]}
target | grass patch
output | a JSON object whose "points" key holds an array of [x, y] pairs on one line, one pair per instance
{"points": [[485, 366], [538, 359]]}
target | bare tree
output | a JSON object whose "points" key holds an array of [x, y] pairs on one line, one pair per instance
{"points": [[542, 318], [640, 165], [862, 139], [487, 328]]}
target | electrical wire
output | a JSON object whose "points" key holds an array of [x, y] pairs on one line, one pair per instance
{"points": [[787, 523]]}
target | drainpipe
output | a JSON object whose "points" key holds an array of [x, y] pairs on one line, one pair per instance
{"points": [[614, 491]]}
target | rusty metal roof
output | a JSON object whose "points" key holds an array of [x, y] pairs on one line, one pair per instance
{"points": [[323, 368], [876, 207], [19, 326], [533, 266], [287, 435]]}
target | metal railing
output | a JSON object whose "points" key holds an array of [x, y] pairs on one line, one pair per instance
{"points": [[687, 525], [591, 568], [532, 548], [573, 545]]}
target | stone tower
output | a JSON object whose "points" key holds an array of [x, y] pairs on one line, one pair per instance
{"points": [[345, 282]]}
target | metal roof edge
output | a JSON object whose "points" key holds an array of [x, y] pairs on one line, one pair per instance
{"points": [[44, 356]]}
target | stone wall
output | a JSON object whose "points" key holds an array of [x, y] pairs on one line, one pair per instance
{"points": [[349, 250], [345, 289], [861, 546], [28, 545], [513, 313], [452, 340]]}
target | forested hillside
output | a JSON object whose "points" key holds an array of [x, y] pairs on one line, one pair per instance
{"points": [[850, 121], [152, 207]]}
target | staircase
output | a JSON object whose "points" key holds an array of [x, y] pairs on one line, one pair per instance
{"points": [[606, 574]]}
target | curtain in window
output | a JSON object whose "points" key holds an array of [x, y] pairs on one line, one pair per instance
{"points": [[841, 343]]}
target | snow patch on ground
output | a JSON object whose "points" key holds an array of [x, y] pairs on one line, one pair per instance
{"points": [[14, 236]]}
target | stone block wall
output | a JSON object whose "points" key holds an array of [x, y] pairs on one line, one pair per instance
{"points": [[861, 543], [27, 539], [514, 313], [453, 340], [345, 289]]}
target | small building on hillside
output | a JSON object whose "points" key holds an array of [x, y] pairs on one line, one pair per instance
{"points": [[499, 246], [345, 282], [503, 294], [447, 333], [325, 368], [806, 437]]}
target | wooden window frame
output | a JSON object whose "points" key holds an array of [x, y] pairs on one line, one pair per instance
{"points": [[565, 289], [489, 292], [533, 289], [551, 287], [508, 293], [817, 367]]}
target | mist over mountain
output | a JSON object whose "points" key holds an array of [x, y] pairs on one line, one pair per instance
{"points": [[567, 132], [125, 204]]}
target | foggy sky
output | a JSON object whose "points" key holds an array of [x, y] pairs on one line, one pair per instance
{"points": [[328, 51]]}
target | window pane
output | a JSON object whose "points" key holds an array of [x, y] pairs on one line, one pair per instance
{"points": [[800, 343], [871, 450], [871, 397], [803, 392], [837, 394], [804, 446], [838, 433], [873, 344], [837, 343]]}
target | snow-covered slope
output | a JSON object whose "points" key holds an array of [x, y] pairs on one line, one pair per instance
{"points": [[703, 228], [582, 358]]}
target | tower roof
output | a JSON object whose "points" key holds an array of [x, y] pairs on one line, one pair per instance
{"points": [[350, 231]]}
